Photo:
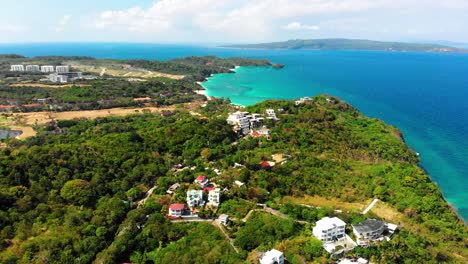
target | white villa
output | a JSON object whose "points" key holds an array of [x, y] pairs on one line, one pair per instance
{"points": [[270, 113], [329, 230], [17, 68], [303, 100], [195, 198], [214, 197], [272, 257], [371, 230]]}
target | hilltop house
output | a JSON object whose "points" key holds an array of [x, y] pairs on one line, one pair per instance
{"points": [[201, 180], [195, 198], [329, 229], [214, 197], [176, 210], [224, 219], [372, 230], [272, 257]]}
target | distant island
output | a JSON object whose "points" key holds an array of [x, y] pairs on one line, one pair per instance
{"points": [[349, 44]]}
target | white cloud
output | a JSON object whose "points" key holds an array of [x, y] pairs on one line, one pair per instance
{"points": [[252, 20], [63, 23], [12, 28], [299, 26]]}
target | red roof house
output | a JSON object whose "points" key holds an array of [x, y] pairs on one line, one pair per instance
{"points": [[176, 210], [202, 180]]}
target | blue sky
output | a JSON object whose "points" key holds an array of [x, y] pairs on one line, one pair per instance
{"points": [[231, 21]]}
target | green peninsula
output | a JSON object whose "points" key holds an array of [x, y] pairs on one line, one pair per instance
{"points": [[100, 191], [349, 44]]}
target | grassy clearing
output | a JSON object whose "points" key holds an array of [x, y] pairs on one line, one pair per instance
{"points": [[326, 202]]}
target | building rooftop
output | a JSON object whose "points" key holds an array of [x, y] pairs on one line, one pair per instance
{"points": [[177, 206], [369, 225], [200, 178], [328, 223]]}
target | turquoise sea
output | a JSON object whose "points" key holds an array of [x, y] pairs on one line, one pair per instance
{"points": [[423, 94]]}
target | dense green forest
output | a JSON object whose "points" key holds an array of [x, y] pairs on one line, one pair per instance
{"points": [[350, 44], [71, 197], [98, 94]]}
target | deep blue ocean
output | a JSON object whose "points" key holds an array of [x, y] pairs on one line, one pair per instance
{"points": [[423, 94]]}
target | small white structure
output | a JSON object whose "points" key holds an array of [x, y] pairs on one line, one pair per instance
{"points": [[33, 68], [329, 230], [239, 183], [176, 210], [47, 68], [272, 257], [214, 197], [353, 261], [62, 69], [271, 114], [195, 198], [17, 68], [173, 187], [224, 219]]}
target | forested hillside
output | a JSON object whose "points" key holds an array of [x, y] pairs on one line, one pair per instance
{"points": [[72, 197]]}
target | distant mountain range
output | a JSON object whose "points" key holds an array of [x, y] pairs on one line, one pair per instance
{"points": [[350, 44]]}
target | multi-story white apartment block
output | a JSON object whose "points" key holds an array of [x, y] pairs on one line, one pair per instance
{"points": [[33, 68], [62, 69], [61, 78], [241, 120], [195, 198], [19, 68], [214, 197], [47, 68], [329, 229]]}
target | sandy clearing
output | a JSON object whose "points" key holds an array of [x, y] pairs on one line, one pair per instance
{"points": [[41, 118], [48, 85]]}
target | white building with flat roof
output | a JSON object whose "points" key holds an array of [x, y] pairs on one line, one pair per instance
{"points": [[329, 229], [60, 78], [62, 69], [272, 257], [241, 120], [33, 68], [18, 68], [214, 197], [195, 198], [47, 68]]}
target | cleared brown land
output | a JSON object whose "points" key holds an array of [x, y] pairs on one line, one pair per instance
{"points": [[118, 71], [48, 85], [41, 118]]}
